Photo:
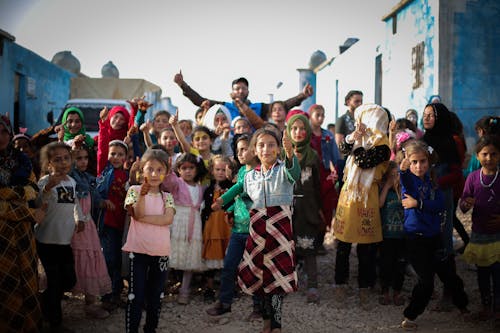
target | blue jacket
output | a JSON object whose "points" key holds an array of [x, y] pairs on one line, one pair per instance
{"points": [[424, 220], [329, 149], [233, 109]]}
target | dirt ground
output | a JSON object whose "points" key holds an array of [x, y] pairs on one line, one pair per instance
{"points": [[298, 316]]}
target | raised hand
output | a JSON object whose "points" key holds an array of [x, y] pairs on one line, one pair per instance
{"points": [[205, 105], [178, 78], [145, 187], [133, 102], [287, 145], [143, 105], [174, 118], [103, 115], [308, 90]]}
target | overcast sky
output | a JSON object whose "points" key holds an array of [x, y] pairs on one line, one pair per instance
{"points": [[212, 41]]}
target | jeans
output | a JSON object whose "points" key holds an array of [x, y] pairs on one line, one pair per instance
{"points": [[367, 266], [392, 264], [484, 277], [426, 258], [232, 259], [59, 265], [111, 241], [147, 280]]}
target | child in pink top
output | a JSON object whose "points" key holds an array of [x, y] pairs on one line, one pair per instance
{"points": [[148, 241]]}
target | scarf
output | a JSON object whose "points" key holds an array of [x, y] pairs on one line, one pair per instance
{"points": [[308, 155], [67, 135], [358, 181], [121, 133]]}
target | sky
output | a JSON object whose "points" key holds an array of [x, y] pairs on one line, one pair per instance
{"points": [[211, 41]]}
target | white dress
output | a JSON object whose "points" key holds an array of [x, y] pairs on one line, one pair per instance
{"points": [[186, 251]]}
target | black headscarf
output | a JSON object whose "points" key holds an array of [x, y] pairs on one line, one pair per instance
{"points": [[440, 137]]}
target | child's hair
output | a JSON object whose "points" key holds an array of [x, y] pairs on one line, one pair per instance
{"points": [[155, 154], [76, 151], [48, 151], [162, 113], [489, 125], [206, 130], [264, 131], [119, 143], [487, 140], [166, 129], [158, 146], [216, 158], [315, 107], [186, 121], [201, 171], [391, 166]]}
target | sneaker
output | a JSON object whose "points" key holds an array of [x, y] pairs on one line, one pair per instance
{"points": [[409, 325], [312, 296], [209, 296], [218, 309]]}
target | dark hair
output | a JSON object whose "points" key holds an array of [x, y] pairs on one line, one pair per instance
{"points": [[47, 152], [487, 140], [403, 123], [350, 94], [240, 80], [201, 171], [234, 145], [158, 146], [489, 125], [201, 128], [264, 131], [119, 143], [162, 113], [157, 154]]}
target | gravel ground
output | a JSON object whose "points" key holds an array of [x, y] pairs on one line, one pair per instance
{"points": [[298, 316]]}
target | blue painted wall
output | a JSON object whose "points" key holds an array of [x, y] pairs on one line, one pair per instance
{"points": [[48, 90], [476, 62]]}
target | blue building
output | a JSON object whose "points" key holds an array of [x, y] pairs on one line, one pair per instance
{"points": [[441, 47], [30, 86]]}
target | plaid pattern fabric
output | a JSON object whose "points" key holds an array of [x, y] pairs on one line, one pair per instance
{"points": [[268, 265], [19, 304]]}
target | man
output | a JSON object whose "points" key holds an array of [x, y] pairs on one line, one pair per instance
{"points": [[240, 91], [345, 125]]}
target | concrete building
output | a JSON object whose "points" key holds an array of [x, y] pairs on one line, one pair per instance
{"points": [[30, 86]]}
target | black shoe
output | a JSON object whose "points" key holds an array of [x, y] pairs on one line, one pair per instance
{"points": [[218, 309], [209, 296]]}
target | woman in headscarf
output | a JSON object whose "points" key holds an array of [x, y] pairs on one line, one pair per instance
{"points": [[73, 123], [358, 216], [19, 306]]}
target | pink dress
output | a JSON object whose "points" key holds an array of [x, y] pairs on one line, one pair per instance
{"points": [[91, 273]]}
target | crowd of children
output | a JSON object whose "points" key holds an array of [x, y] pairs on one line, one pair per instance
{"points": [[169, 196]]}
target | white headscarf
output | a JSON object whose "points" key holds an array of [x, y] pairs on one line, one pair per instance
{"points": [[358, 181], [209, 118]]}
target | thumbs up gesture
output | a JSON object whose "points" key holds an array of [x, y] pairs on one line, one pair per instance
{"points": [[287, 145]]}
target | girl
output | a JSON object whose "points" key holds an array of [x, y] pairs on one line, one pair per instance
{"points": [[186, 239], [481, 192], [151, 131], [240, 217], [485, 125], [357, 218], [19, 304], [73, 128], [268, 265], [168, 140], [54, 233], [277, 114], [148, 241], [307, 216], [216, 231], [392, 247], [424, 206], [92, 277]]}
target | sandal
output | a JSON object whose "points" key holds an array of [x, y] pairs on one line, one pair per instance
{"points": [[409, 325]]}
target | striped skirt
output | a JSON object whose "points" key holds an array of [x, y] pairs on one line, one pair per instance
{"points": [[268, 264]]}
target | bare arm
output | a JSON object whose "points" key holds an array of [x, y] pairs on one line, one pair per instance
{"points": [[165, 219], [178, 132]]}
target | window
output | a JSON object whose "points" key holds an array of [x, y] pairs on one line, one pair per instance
{"points": [[417, 64]]}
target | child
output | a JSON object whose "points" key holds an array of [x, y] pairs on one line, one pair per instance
{"points": [[485, 125], [54, 233], [168, 140], [92, 277], [392, 247], [112, 126], [186, 128], [268, 265], [277, 114], [186, 230], [218, 120], [216, 231], [323, 142], [148, 241], [151, 131], [357, 217], [481, 192], [307, 217], [112, 187], [424, 206], [241, 220]]}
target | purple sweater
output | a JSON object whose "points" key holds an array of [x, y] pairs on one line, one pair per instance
{"points": [[487, 203]]}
